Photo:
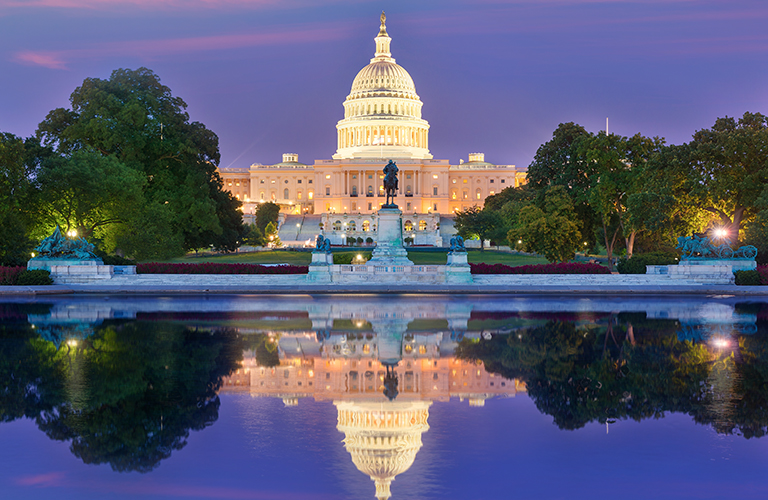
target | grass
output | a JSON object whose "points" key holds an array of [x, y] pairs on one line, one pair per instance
{"points": [[421, 256]]}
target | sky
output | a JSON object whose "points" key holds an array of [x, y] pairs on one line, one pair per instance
{"points": [[269, 76]]}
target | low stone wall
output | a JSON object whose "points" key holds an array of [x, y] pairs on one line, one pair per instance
{"points": [[713, 274]]}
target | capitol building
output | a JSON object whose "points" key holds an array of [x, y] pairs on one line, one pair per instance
{"points": [[382, 121]]}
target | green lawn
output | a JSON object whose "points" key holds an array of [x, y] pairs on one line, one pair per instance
{"points": [[421, 256]]}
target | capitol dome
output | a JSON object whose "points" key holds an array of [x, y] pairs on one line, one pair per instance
{"points": [[382, 113]]}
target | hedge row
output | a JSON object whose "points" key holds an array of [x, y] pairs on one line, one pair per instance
{"points": [[561, 268], [758, 276], [215, 268], [19, 275], [636, 264]]}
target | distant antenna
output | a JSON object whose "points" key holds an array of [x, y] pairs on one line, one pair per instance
{"points": [[606, 125]]}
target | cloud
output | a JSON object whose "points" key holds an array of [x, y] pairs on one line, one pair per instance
{"points": [[158, 48], [112, 5], [50, 479]]}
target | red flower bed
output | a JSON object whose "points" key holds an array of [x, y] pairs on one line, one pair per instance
{"points": [[9, 275], [763, 272], [562, 268], [214, 268]]}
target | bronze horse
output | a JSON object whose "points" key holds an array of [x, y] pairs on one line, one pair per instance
{"points": [[390, 183]]}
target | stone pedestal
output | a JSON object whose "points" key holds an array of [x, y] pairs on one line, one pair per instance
{"points": [[73, 271], [320, 268], [389, 249], [457, 269], [700, 273]]}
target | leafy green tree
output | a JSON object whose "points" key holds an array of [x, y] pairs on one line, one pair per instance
{"points": [[475, 222], [727, 168], [253, 236], [270, 235], [562, 162], [549, 228], [756, 232], [617, 161], [87, 191], [19, 198], [136, 120], [266, 213]]}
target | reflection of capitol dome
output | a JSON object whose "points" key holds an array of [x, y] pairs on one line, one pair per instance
{"points": [[383, 438], [382, 113]]}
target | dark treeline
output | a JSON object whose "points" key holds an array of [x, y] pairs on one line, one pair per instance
{"points": [[633, 194]]}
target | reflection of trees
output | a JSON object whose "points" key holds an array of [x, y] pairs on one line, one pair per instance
{"points": [[600, 372], [264, 349], [129, 394]]}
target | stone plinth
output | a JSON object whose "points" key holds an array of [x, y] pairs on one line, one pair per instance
{"points": [[736, 264], [75, 271], [320, 268], [720, 274], [458, 270], [389, 249]]}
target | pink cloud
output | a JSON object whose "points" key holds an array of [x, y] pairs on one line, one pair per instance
{"points": [[50, 479], [45, 59], [151, 49]]}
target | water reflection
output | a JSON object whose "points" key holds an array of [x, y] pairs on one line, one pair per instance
{"points": [[125, 380]]}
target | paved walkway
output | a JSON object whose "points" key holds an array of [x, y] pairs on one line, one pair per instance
{"points": [[404, 288]]}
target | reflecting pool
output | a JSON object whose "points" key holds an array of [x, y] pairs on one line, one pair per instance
{"points": [[383, 396]]}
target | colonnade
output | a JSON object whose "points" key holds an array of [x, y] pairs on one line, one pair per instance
{"points": [[384, 135]]}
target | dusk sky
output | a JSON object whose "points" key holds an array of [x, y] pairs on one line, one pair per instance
{"points": [[270, 76]]}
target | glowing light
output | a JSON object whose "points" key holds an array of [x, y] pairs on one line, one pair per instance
{"points": [[519, 242], [72, 342], [721, 343], [721, 232], [72, 233], [33, 254]]}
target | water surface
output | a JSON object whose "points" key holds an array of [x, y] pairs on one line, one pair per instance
{"points": [[417, 397]]}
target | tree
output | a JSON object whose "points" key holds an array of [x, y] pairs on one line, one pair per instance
{"points": [[550, 227], [476, 222], [266, 213], [87, 192], [617, 161], [136, 120], [727, 168], [270, 235], [19, 195], [561, 162]]}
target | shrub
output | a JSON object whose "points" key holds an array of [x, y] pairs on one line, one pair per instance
{"points": [[34, 277], [347, 257], [216, 268], [763, 271], [10, 274], [560, 268], [116, 260], [748, 278], [369, 240], [636, 265]]}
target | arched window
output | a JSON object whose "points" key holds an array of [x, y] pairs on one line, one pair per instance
{"points": [[273, 196], [366, 226], [354, 190], [370, 191], [465, 194], [298, 195], [262, 195], [310, 195], [478, 193], [337, 225], [408, 226], [285, 194], [408, 190], [351, 226], [422, 225]]}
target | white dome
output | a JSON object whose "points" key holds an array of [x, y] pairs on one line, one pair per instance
{"points": [[382, 76]]}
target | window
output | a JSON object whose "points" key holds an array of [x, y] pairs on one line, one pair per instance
{"points": [[261, 181], [285, 194], [408, 176], [310, 195], [502, 181], [422, 225], [298, 195], [434, 190], [328, 176], [408, 226], [454, 181], [367, 224], [354, 176], [354, 206], [434, 176], [327, 190], [465, 194], [273, 181], [453, 195], [370, 206], [408, 206], [261, 196], [354, 190], [352, 226], [370, 176], [465, 181], [434, 207], [337, 225], [309, 181], [478, 194], [491, 181], [299, 181], [286, 181], [408, 191]]}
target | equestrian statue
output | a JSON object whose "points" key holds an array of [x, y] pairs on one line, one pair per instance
{"points": [[390, 184]]}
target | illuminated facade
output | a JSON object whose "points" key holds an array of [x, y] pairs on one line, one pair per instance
{"points": [[382, 121]]}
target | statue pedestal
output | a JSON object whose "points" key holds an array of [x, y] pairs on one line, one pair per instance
{"points": [[457, 269], [320, 268], [389, 249], [65, 271]]}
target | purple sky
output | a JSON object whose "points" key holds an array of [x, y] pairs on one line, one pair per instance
{"points": [[269, 76]]}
